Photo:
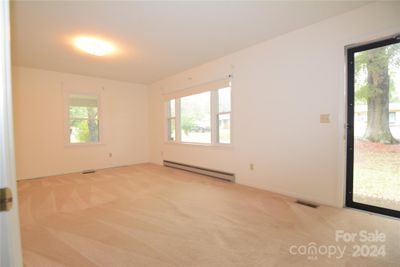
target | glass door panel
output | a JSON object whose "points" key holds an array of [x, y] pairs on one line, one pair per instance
{"points": [[373, 149]]}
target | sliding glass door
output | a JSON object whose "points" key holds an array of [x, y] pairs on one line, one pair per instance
{"points": [[373, 136]]}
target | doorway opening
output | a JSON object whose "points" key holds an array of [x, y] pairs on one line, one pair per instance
{"points": [[373, 133]]}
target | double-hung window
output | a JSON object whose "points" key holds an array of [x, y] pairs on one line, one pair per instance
{"points": [[224, 115], [83, 119], [200, 115], [195, 122], [171, 120]]}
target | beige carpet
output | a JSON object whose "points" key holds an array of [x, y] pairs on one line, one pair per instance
{"points": [[148, 215]]}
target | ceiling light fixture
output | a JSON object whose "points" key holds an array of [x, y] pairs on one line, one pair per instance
{"points": [[93, 45]]}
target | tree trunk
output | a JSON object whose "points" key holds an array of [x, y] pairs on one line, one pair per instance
{"points": [[378, 103]]}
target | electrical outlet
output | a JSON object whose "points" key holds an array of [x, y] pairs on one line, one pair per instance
{"points": [[251, 166], [110, 155]]}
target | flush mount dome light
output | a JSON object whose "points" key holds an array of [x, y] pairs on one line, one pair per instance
{"points": [[93, 45]]}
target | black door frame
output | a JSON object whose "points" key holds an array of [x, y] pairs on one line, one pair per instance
{"points": [[350, 127]]}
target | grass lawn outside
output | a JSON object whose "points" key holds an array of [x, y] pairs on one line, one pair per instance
{"points": [[377, 174]]}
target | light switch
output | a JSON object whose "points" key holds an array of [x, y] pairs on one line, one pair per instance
{"points": [[324, 118]]}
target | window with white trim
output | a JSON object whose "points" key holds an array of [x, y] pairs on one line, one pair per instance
{"points": [[200, 116], [224, 116], [83, 119], [195, 120], [171, 120]]}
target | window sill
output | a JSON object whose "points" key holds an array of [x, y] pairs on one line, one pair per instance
{"points": [[83, 144], [200, 145]]}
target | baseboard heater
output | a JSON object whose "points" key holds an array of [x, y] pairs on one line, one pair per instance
{"points": [[200, 170]]}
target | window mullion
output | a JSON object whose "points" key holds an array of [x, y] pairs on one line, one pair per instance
{"points": [[166, 112], [178, 120], [214, 117]]}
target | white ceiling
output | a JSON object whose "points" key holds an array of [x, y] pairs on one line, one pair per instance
{"points": [[158, 39]]}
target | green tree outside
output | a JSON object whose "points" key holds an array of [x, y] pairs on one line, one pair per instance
{"points": [[375, 87]]}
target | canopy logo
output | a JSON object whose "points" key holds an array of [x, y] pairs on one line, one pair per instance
{"points": [[312, 251], [358, 244]]}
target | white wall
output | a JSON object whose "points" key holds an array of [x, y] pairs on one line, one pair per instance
{"points": [[40, 131], [280, 88]]}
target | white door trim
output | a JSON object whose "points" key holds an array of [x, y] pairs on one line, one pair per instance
{"points": [[10, 243]]}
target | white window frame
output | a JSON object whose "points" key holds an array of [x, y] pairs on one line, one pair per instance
{"points": [[214, 113], [218, 113], [169, 118], [67, 118]]}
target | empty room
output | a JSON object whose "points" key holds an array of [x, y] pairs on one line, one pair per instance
{"points": [[199, 133]]}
